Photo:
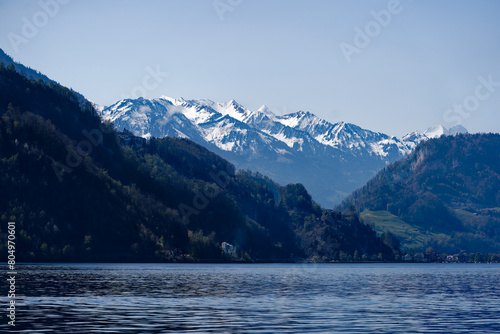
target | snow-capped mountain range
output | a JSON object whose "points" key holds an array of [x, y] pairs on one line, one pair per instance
{"points": [[330, 159]]}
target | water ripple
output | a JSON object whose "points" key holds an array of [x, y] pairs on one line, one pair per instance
{"points": [[273, 298]]}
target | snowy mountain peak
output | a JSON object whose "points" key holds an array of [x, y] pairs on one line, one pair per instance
{"points": [[456, 130], [174, 101], [415, 136], [305, 114], [439, 130], [300, 120], [436, 131], [235, 105], [265, 110]]}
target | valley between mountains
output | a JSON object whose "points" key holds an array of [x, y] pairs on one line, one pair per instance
{"points": [[330, 159]]}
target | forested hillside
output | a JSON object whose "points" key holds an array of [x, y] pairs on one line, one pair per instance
{"points": [[79, 190], [447, 191]]}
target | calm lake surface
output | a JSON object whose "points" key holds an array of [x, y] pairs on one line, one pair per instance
{"points": [[256, 298]]}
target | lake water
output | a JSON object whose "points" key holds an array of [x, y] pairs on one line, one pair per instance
{"points": [[256, 298]]}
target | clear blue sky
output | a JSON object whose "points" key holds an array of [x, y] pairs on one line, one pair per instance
{"points": [[282, 53]]}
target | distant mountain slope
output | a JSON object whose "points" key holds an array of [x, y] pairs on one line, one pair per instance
{"points": [[331, 160], [78, 190], [449, 186]]}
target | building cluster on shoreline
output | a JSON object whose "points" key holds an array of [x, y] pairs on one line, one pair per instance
{"points": [[431, 256]]}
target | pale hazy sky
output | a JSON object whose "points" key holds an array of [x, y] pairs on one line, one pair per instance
{"points": [[411, 64]]}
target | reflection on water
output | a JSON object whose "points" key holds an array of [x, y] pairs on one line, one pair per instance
{"points": [[263, 298]]}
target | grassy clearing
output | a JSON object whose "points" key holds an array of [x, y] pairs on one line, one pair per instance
{"points": [[410, 236], [465, 216]]}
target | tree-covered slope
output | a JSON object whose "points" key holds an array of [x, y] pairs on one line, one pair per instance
{"points": [[448, 187], [80, 191]]}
